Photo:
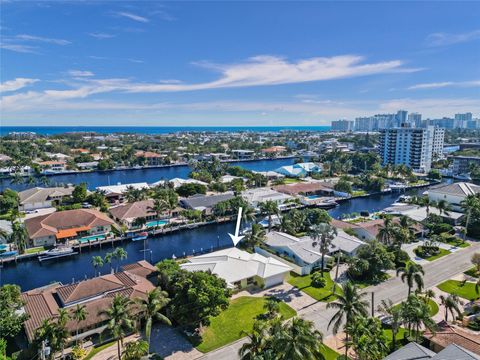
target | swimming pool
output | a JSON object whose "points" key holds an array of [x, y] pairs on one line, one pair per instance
{"points": [[156, 223], [91, 238], [313, 197]]}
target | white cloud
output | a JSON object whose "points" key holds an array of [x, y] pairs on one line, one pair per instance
{"points": [[443, 39], [132, 16], [16, 84], [438, 85], [34, 38], [80, 73], [20, 48], [101, 35]]}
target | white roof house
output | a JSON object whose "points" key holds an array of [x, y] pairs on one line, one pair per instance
{"points": [[177, 182], [299, 170], [122, 188], [454, 193], [239, 268], [419, 213], [259, 195]]}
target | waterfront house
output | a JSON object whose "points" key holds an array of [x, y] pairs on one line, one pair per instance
{"points": [[64, 226], [304, 252], [243, 154], [177, 182], [274, 150], [260, 195], [305, 189], [240, 269], [52, 166], [128, 214], [90, 165], [446, 335], [299, 170], [454, 193], [369, 229], [95, 294], [40, 198], [151, 158], [205, 203], [462, 164], [114, 193], [270, 175], [420, 213]]}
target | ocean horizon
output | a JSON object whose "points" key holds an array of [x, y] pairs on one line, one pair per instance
{"points": [[53, 130]]}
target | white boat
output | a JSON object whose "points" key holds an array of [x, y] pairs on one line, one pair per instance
{"points": [[57, 253], [397, 186], [465, 177]]}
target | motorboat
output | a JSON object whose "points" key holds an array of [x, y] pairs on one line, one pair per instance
{"points": [[140, 236], [56, 252], [465, 177]]}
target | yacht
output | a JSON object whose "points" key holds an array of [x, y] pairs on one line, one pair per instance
{"points": [[140, 236], [57, 252], [465, 177]]}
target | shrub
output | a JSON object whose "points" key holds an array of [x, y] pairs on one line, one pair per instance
{"points": [[318, 281]]}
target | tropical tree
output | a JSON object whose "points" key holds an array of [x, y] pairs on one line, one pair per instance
{"points": [[119, 254], [135, 350], [269, 208], [151, 308], [119, 319], [394, 312], [386, 233], [159, 207], [272, 306], [443, 207], [425, 201], [108, 260], [19, 236], [451, 303], [249, 214], [256, 235], [323, 235], [471, 206], [79, 314], [97, 262], [412, 273], [61, 332], [368, 339], [255, 348], [349, 304], [415, 313]]}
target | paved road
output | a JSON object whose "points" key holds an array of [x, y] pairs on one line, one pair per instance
{"points": [[435, 273]]}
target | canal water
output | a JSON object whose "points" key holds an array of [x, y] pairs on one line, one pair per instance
{"points": [[31, 274], [149, 175]]}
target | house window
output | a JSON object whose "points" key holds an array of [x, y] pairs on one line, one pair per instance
{"points": [[250, 281], [237, 284]]}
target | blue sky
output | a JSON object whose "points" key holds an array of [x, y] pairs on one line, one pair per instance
{"points": [[235, 63]]}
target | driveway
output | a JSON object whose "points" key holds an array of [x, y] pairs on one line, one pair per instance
{"points": [[435, 272]]}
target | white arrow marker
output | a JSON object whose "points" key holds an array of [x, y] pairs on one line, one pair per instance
{"points": [[235, 238]]}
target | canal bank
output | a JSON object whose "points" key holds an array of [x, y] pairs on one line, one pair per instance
{"points": [[32, 274]]}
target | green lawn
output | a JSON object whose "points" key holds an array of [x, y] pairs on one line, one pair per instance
{"points": [[97, 349], [467, 291], [457, 242], [291, 180], [358, 193], [365, 283], [240, 315], [442, 253], [34, 250], [329, 353], [320, 294]]}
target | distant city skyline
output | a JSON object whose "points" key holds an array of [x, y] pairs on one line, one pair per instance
{"points": [[235, 64]]}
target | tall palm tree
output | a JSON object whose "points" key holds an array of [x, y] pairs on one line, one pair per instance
{"points": [[19, 236], [97, 262], [79, 314], [150, 309], [394, 312], [61, 332], [108, 260], [119, 320], [119, 254], [159, 207], [270, 208], [425, 201], [388, 230], [323, 235], [298, 340], [415, 313], [349, 305], [272, 306], [412, 273], [443, 207], [256, 236], [249, 214], [451, 303], [470, 205]]}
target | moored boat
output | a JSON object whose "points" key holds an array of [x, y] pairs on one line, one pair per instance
{"points": [[140, 236], [57, 252]]}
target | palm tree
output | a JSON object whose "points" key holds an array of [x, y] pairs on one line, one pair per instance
{"points": [[97, 262], [429, 295], [349, 305], [394, 312], [256, 236], [46, 332], [272, 306], [270, 208], [61, 332], [323, 235], [150, 308], [159, 207], [135, 350], [249, 214], [255, 348], [119, 321], [298, 340], [443, 207], [387, 232], [79, 314], [470, 205], [119, 254], [425, 201], [108, 260], [412, 273], [19, 236], [415, 312], [451, 303]]}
